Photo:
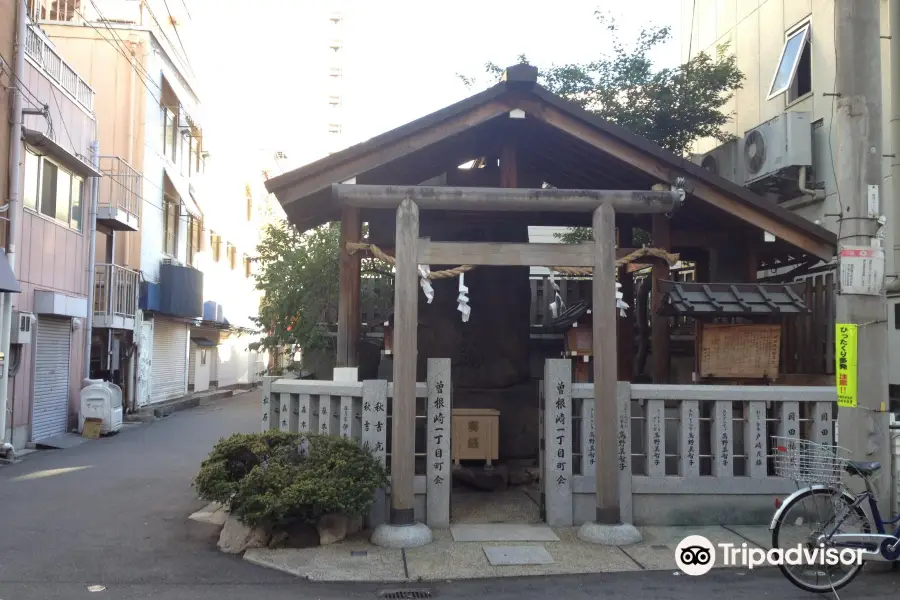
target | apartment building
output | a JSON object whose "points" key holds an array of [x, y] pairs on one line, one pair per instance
{"points": [[44, 368], [147, 293], [223, 353], [783, 116]]}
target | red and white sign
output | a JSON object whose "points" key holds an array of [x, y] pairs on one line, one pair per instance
{"points": [[862, 270]]}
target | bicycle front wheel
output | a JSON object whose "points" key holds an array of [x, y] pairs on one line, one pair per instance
{"points": [[802, 522]]}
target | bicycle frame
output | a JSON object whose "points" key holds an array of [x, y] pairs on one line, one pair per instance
{"points": [[869, 543]]}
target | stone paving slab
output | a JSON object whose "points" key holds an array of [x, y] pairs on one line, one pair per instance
{"points": [[343, 561], [446, 559], [517, 555], [502, 532]]}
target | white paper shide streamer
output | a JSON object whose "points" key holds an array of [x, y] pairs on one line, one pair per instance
{"points": [[463, 299], [557, 306], [424, 271], [620, 304]]}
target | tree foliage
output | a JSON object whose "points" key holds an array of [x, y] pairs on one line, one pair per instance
{"points": [[275, 479], [673, 107], [299, 274]]}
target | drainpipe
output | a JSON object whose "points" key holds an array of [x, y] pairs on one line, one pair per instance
{"points": [[95, 194], [894, 285], [12, 205]]}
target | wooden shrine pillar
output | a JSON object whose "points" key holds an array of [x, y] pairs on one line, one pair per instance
{"points": [[604, 319], [659, 343], [625, 325], [406, 318], [349, 314]]}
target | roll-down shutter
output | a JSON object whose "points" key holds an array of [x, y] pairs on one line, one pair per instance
{"points": [[50, 414], [169, 366]]}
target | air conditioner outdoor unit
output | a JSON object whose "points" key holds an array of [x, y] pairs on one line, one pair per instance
{"points": [[725, 161], [21, 327], [778, 148], [172, 261]]}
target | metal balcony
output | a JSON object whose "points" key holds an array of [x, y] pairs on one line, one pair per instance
{"points": [[115, 296], [120, 195]]}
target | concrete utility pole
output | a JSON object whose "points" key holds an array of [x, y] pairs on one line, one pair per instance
{"points": [[858, 147]]}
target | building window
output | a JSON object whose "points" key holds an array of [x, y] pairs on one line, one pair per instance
{"points": [[185, 154], [249, 208], [202, 356], [170, 138], [53, 191], [216, 242], [248, 267], [794, 71], [170, 228], [231, 253], [334, 128], [195, 227]]}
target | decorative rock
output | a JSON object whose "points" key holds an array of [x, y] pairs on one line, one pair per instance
{"points": [[332, 528], [237, 537], [609, 535], [402, 536]]}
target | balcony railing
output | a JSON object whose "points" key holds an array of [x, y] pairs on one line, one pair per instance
{"points": [[42, 52], [121, 188], [115, 293]]}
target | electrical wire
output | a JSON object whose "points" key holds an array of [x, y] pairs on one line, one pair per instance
{"points": [[142, 74], [65, 127], [163, 32], [177, 35]]}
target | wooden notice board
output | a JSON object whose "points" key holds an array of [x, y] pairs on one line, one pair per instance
{"points": [[739, 351]]}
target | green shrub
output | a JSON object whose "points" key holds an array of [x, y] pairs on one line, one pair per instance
{"points": [[267, 480]]}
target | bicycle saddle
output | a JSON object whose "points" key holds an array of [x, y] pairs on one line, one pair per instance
{"points": [[859, 467]]}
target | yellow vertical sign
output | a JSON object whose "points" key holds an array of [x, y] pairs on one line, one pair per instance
{"points": [[845, 364]]}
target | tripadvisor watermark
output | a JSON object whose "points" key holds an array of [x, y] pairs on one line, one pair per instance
{"points": [[696, 555]]}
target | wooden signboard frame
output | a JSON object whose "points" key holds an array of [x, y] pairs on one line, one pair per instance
{"points": [[745, 351]]}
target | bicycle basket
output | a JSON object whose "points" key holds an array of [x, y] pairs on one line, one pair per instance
{"points": [[807, 462]]}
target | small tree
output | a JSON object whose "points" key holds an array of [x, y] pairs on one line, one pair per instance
{"points": [[672, 107], [299, 274]]}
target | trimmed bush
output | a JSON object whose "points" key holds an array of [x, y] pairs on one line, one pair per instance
{"points": [[275, 479]]}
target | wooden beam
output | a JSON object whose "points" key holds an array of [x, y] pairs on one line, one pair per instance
{"points": [[300, 184], [406, 318], [625, 325], [513, 255], [506, 199], [659, 344], [603, 316], [349, 286], [508, 166], [652, 166]]}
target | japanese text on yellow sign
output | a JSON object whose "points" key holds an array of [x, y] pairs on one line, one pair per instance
{"points": [[845, 357]]}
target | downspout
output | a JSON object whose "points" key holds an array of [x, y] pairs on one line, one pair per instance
{"points": [[894, 283], [12, 204], [95, 194]]}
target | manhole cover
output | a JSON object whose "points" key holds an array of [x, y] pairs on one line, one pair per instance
{"points": [[404, 594]]}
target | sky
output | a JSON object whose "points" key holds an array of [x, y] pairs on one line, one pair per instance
{"points": [[262, 68]]}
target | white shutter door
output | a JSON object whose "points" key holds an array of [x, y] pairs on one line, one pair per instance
{"points": [[169, 366], [50, 414]]}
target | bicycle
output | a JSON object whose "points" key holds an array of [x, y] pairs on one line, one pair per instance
{"points": [[819, 467]]}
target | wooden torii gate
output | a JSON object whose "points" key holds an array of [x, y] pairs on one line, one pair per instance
{"points": [[411, 251]]}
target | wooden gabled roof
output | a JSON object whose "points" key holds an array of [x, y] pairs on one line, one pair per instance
{"points": [[565, 145]]}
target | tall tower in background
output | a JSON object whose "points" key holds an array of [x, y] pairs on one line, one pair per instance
{"points": [[336, 66]]}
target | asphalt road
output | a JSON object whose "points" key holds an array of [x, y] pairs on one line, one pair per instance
{"points": [[113, 513]]}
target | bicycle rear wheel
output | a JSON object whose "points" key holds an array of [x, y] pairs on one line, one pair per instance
{"points": [[803, 521]]}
